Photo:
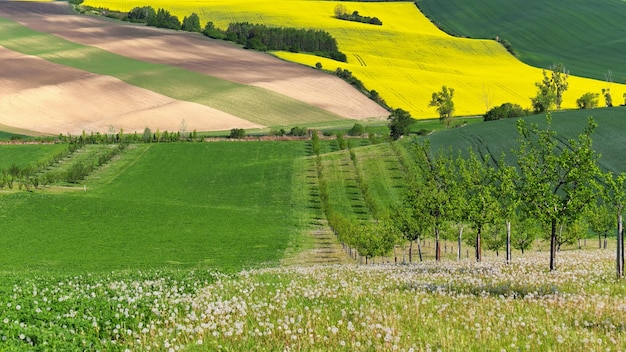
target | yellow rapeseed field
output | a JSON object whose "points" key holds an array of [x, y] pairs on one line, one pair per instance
{"points": [[405, 60]]}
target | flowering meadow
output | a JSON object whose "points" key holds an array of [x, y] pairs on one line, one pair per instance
{"points": [[405, 60], [428, 306]]}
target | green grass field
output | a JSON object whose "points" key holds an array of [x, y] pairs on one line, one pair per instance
{"points": [[28, 154], [225, 206], [495, 137], [588, 37], [260, 106]]}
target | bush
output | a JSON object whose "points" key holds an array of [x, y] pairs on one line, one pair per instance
{"points": [[506, 110], [141, 14], [588, 101], [298, 131], [237, 133], [356, 130]]}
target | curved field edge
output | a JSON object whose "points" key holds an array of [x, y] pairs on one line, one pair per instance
{"points": [[405, 60], [588, 37], [254, 104]]}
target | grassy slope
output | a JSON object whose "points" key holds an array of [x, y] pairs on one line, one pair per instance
{"points": [[405, 60], [27, 154], [260, 105], [589, 37], [220, 205], [381, 169], [500, 136]]}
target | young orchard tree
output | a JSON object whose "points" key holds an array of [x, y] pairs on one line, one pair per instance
{"points": [[508, 199], [557, 182], [478, 184], [376, 239], [526, 230], [410, 224], [458, 207], [551, 89], [443, 102], [601, 221], [435, 196], [615, 194]]}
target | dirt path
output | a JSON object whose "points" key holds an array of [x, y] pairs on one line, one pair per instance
{"points": [[326, 249], [197, 53]]}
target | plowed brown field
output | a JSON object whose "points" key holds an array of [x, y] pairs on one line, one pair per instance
{"points": [[46, 97]]}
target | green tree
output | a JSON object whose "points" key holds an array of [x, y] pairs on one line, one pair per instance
{"points": [[147, 135], [141, 14], [506, 110], [557, 182], [615, 194], [526, 230], [237, 133], [399, 123], [433, 195], [601, 221], [588, 100], [340, 10], [191, 23], [551, 89], [478, 182], [356, 130], [608, 100], [443, 102], [508, 199], [164, 19]]}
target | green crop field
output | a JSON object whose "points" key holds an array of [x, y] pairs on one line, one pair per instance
{"points": [[495, 137], [260, 106], [225, 206], [25, 155], [588, 37]]}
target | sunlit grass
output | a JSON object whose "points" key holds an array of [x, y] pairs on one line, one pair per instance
{"points": [[405, 60], [449, 306]]}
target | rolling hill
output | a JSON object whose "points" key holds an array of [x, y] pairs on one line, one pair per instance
{"points": [[174, 77], [405, 60], [588, 37]]}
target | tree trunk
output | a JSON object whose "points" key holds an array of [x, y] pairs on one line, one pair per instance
{"points": [[553, 246], [479, 254], [599, 241], [620, 247], [419, 250], [605, 241], [411, 250], [395, 257], [458, 251], [508, 241], [437, 245]]}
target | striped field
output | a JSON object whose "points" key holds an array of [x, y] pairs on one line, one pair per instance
{"points": [[405, 60]]}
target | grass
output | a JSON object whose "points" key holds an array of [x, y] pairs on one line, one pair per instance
{"points": [[160, 206], [587, 37], [452, 306], [27, 154], [147, 257], [405, 60], [259, 106]]}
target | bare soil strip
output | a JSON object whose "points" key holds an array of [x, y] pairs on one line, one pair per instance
{"points": [[189, 51], [44, 97]]}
